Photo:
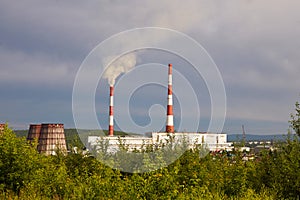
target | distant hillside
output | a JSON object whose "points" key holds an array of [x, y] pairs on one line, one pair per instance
{"points": [[21, 133], [239, 137]]}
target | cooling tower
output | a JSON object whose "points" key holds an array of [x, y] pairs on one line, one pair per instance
{"points": [[111, 112], [2, 127], [170, 122], [34, 132], [52, 137]]}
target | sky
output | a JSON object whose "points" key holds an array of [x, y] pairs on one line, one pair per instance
{"points": [[255, 45]]}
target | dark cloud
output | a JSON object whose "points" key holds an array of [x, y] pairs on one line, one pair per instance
{"points": [[254, 43]]}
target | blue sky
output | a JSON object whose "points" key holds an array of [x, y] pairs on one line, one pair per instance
{"points": [[255, 45]]}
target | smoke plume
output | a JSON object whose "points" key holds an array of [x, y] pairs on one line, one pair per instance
{"points": [[121, 65]]}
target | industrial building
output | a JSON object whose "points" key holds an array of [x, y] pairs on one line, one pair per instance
{"points": [[211, 141], [50, 137]]}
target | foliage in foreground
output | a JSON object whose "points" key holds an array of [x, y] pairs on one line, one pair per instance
{"points": [[25, 174]]}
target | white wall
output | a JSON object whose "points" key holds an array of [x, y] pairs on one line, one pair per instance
{"points": [[212, 141]]}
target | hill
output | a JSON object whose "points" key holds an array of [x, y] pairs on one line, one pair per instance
{"points": [[249, 137]]}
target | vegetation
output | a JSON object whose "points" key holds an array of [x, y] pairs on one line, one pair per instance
{"points": [[295, 121], [26, 174]]}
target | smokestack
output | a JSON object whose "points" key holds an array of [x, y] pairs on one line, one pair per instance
{"points": [[170, 123], [111, 112]]}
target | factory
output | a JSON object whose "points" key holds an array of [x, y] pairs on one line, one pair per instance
{"points": [[210, 141]]}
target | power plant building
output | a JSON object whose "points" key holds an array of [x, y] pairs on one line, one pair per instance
{"points": [[210, 141]]}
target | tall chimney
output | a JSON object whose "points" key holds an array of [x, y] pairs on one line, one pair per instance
{"points": [[170, 123], [111, 112]]}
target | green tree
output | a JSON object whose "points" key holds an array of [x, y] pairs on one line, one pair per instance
{"points": [[295, 121], [19, 160]]}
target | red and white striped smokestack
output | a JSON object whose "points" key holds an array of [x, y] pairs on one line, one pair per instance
{"points": [[111, 111], [170, 122]]}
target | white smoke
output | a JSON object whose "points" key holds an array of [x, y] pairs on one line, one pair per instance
{"points": [[121, 65]]}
